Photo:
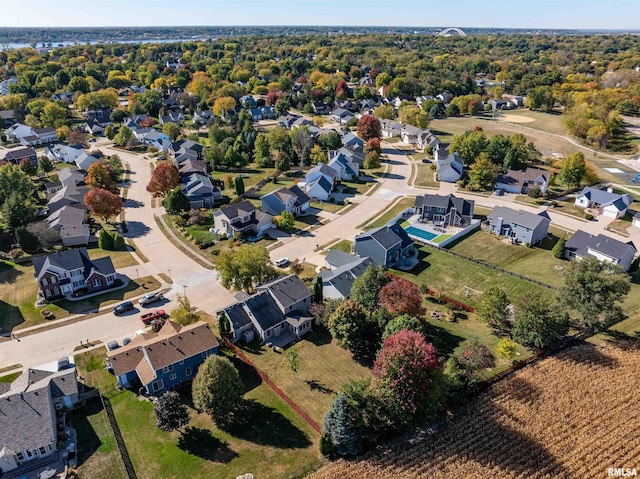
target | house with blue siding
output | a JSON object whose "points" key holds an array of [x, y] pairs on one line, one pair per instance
{"points": [[154, 363], [387, 245]]}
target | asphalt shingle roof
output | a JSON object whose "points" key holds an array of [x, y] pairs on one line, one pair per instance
{"points": [[519, 217], [581, 242], [287, 290]]}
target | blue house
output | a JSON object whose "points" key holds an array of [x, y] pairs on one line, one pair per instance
{"points": [[154, 363], [386, 245]]}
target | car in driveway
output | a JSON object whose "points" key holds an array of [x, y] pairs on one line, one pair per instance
{"points": [[150, 298], [152, 316], [282, 262], [111, 345], [123, 308]]}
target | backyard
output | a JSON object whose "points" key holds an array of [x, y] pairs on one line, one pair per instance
{"points": [[18, 291], [382, 219], [265, 432]]}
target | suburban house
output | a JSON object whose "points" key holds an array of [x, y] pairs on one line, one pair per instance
{"points": [[17, 155], [609, 204], [248, 101], [28, 136], [64, 96], [352, 155], [70, 222], [200, 191], [135, 122], [302, 121], [242, 218], [263, 113], [293, 200], [342, 270], [175, 117], [426, 139], [65, 272], [286, 121], [278, 313], [341, 116], [500, 104], [390, 128], [158, 362], [321, 108], [601, 247], [636, 220], [151, 137], [95, 128], [410, 134], [28, 420], [387, 245], [202, 117], [320, 182], [7, 117], [186, 149], [444, 210], [520, 226], [352, 142], [4, 85], [99, 115], [189, 167], [520, 182], [344, 167], [85, 160], [450, 169], [66, 153], [441, 151]]}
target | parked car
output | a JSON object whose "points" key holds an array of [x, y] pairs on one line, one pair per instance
{"points": [[126, 341], [123, 308], [151, 298], [282, 262], [153, 315], [113, 345]]}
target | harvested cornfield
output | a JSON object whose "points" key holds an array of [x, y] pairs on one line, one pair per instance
{"points": [[570, 416]]}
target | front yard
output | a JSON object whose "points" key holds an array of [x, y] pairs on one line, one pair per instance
{"points": [[425, 175], [382, 219], [267, 439]]}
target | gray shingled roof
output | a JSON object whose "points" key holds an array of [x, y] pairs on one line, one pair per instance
{"points": [[337, 258], [388, 236], [26, 420], [287, 290], [519, 217], [465, 207], [233, 211], [265, 310], [343, 277], [68, 260], [581, 242], [604, 198]]}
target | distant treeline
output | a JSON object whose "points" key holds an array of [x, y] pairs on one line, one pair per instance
{"points": [[128, 34]]}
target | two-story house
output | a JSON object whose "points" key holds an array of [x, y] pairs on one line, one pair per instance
{"points": [[520, 182], [449, 168], [352, 142], [65, 153], [278, 313], [28, 420], [292, 200], [606, 202], [16, 156], [186, 150], [65, 272], [242, 218], [520, 226], [342, 271], [386, 245], [320, 182], [582, 245], [444, 210], [162, 361], [200, 191]]}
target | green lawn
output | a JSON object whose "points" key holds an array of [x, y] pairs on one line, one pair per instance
{"points": [[425, 176], [267, 439], [327, 206], [120, 259], [324, 368], [389, 214], [9, 378], [344, 245], [454, 275], [536, 263], [18, 291], [352, 188], [566, 207]]}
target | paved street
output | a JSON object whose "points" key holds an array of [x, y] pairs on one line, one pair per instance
{"points": [[201, 284]]}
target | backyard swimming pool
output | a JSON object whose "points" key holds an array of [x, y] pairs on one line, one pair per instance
{"points": [[425, 235]]}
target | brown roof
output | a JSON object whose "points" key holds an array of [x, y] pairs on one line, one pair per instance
{"points": [[172, 344]]}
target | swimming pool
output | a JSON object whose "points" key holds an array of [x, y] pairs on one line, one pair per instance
{"points": [[426, 235]]}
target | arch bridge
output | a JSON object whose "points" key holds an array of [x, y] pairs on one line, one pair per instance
{"points": [[447, 32]]}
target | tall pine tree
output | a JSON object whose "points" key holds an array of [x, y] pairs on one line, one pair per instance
{"points": [[338, 427]]}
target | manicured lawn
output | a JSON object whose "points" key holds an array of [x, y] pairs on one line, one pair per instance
{"points": [[454, 275], [324, 368], [623, 223], [393, 211], [566, 207], [120, 259], [536, 263], [267, 438], [9, 378], [351, 188], [425, 176], [18, 291], [327, 206], [270, 186], [344, 245]]}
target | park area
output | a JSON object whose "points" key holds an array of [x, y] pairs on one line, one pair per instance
{"points": [[267, 438]]}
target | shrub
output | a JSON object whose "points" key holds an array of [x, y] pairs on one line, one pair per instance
{"points": [[105, 240], [15, 253], [588, 217], [118, 242]]}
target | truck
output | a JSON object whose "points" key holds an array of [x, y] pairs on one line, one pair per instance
{"points": [[153, 315]]}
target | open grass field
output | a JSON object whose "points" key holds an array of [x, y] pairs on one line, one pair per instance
{"points": [[565, 416], [267, 439], [18, 291], [537, 263], [454, 275], [324, 368], [382, 219]]}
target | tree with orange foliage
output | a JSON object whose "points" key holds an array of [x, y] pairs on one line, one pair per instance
{"points": [[102, 203], [100, 175], [369, 127], [400, 296], [163, 179]]}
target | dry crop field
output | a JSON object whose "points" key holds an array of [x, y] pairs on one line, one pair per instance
{"points": [[570, 416]]}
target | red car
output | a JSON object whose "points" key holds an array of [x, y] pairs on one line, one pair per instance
{"points": [[157, 314]]}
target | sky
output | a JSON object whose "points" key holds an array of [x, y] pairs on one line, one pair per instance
{"points": [[571, 14]]}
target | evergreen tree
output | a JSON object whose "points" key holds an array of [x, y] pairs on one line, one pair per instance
{"points": [[176, 202], [558, 248], [337, 426], [239, 185], [105, 240], [317, 290], [223, 325], [26, 240], [118, 242]]}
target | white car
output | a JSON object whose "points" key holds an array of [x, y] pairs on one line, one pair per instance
{"points": [[282, 262]]}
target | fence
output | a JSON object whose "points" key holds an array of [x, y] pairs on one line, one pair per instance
{"points": [[314, 425], [124, 454]]}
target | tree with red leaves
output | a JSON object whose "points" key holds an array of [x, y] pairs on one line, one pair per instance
{"points": [[341, 90], [373, 145], [76, 137], [100, 175], [272, 97], [400, 296], [163, 179], [369, 127], [102, 203], [405, 371], [148, 122]]}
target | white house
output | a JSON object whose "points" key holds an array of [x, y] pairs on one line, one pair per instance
{"points": [[601, 247], [85, 160], [28, 136], [608, 203], [152, 137], [65, 153], [520, 182], [320, 182], [450, 168]]}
